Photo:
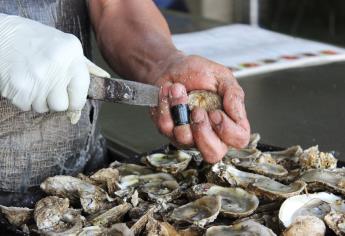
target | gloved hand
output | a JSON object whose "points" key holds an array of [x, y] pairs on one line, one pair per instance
{"points": [[41, 67]]}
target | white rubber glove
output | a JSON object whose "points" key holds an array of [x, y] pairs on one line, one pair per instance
{"points": [[41, 67]]}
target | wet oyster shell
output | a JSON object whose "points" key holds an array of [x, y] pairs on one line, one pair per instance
{"points": [[107, 178], [240, 154], [169, 163], [17, 215], [204, 99], [259, 184], [266, 169], [92, 198], [312, 158], [161, 192], [248, 227], [288, 158], [236, 202], [336, 221], [322, 179], [306, 225], [199, 212], [305, 204], [140, 224], [113, 215], [131, 169]]}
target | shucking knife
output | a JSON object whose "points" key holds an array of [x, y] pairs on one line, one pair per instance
{"points": [[123, 91]]}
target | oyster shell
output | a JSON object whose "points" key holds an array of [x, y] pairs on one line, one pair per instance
{"points": [[317, 205], [92, 198], [236, 202], [312, 158], [131, 169], [336, 221], [266, 169], [259, 184], [199, 212], [254, 140], [205, 99], [161, 192], [169, 163], [107, 178], [289, 158], [322, 179], [248, 227], [112, 215], [306, 225], [240, 154], [17, 215], [140, 224]]}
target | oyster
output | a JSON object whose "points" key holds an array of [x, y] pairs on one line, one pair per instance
{"points": [[248, 227], [157, 177], [140, 224], [259, 184], [336, 221], [240, 154], [317, 205], [199, 212], [107, 178], [170, 163], [188, 178], [312, 158], [112, 215], [92, 198], [131, 169], [306, 225], [236, 202], [289, 158], [322, 179], [205, 99], [162, 192], [119, 229], [267, 169], [17, 215]]}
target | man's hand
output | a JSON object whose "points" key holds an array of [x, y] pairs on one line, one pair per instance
{"points": [[42, 68], [211, 132]]}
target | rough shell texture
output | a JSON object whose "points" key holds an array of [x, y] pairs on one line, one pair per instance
{"points": [[248, 227], [205, 99], [321, 179], [236, 202], [113, 215], [306, 225], [305, 204], [312, 158], [16, 215], [170, 163], [200, 212], [336, 221], [289, 158], [131, 169], [107, 178], [92, 198], [161, 192], [254, 140]]}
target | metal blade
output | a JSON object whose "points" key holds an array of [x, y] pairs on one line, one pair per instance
{"points": [[123, 91]]}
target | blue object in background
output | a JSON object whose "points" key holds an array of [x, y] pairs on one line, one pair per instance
{"points": [[164, 3]]}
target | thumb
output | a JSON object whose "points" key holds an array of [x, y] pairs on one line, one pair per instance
{"points": [[96, 70]]}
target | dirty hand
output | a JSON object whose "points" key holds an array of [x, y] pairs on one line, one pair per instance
{"points": [[211, 132], [41, 67]]}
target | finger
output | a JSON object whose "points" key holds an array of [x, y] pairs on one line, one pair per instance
{"points": [[162, 112], [182, 133], [95, 70], [57, 99], [228, 131], [78, 86], [207, 141], [40, 104]]}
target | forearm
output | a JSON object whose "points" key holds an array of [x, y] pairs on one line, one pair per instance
{"points": [[133, 37]]}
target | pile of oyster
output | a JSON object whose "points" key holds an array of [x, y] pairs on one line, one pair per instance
{"points": [[289, 192]]}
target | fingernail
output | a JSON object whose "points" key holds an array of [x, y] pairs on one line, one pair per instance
{"points": [[197, 116], [177, 91], [215, 117]]}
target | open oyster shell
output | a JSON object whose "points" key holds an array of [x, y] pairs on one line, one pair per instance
{"points": [[288, 158], [236, 202], [17, 215], [322, 179], [254, 140], [336, 221], [205, 99], [169, 163], [131, 169], [112, 215], [107, 178], [259, 184], [312, 158], [92, 198], [240, 154], [317, 204], [199, 212], [161, 192], [248, 227]]}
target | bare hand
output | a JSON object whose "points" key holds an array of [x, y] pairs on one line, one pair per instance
{"points": [[212, 133]]}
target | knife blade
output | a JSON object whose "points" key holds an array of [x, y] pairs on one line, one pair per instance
{"points": [[123, 91]]}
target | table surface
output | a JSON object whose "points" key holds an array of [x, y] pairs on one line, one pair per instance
{"points": [[296, 106]]}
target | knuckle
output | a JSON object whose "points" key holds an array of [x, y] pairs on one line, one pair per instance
{"points": [[165, 128]]}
